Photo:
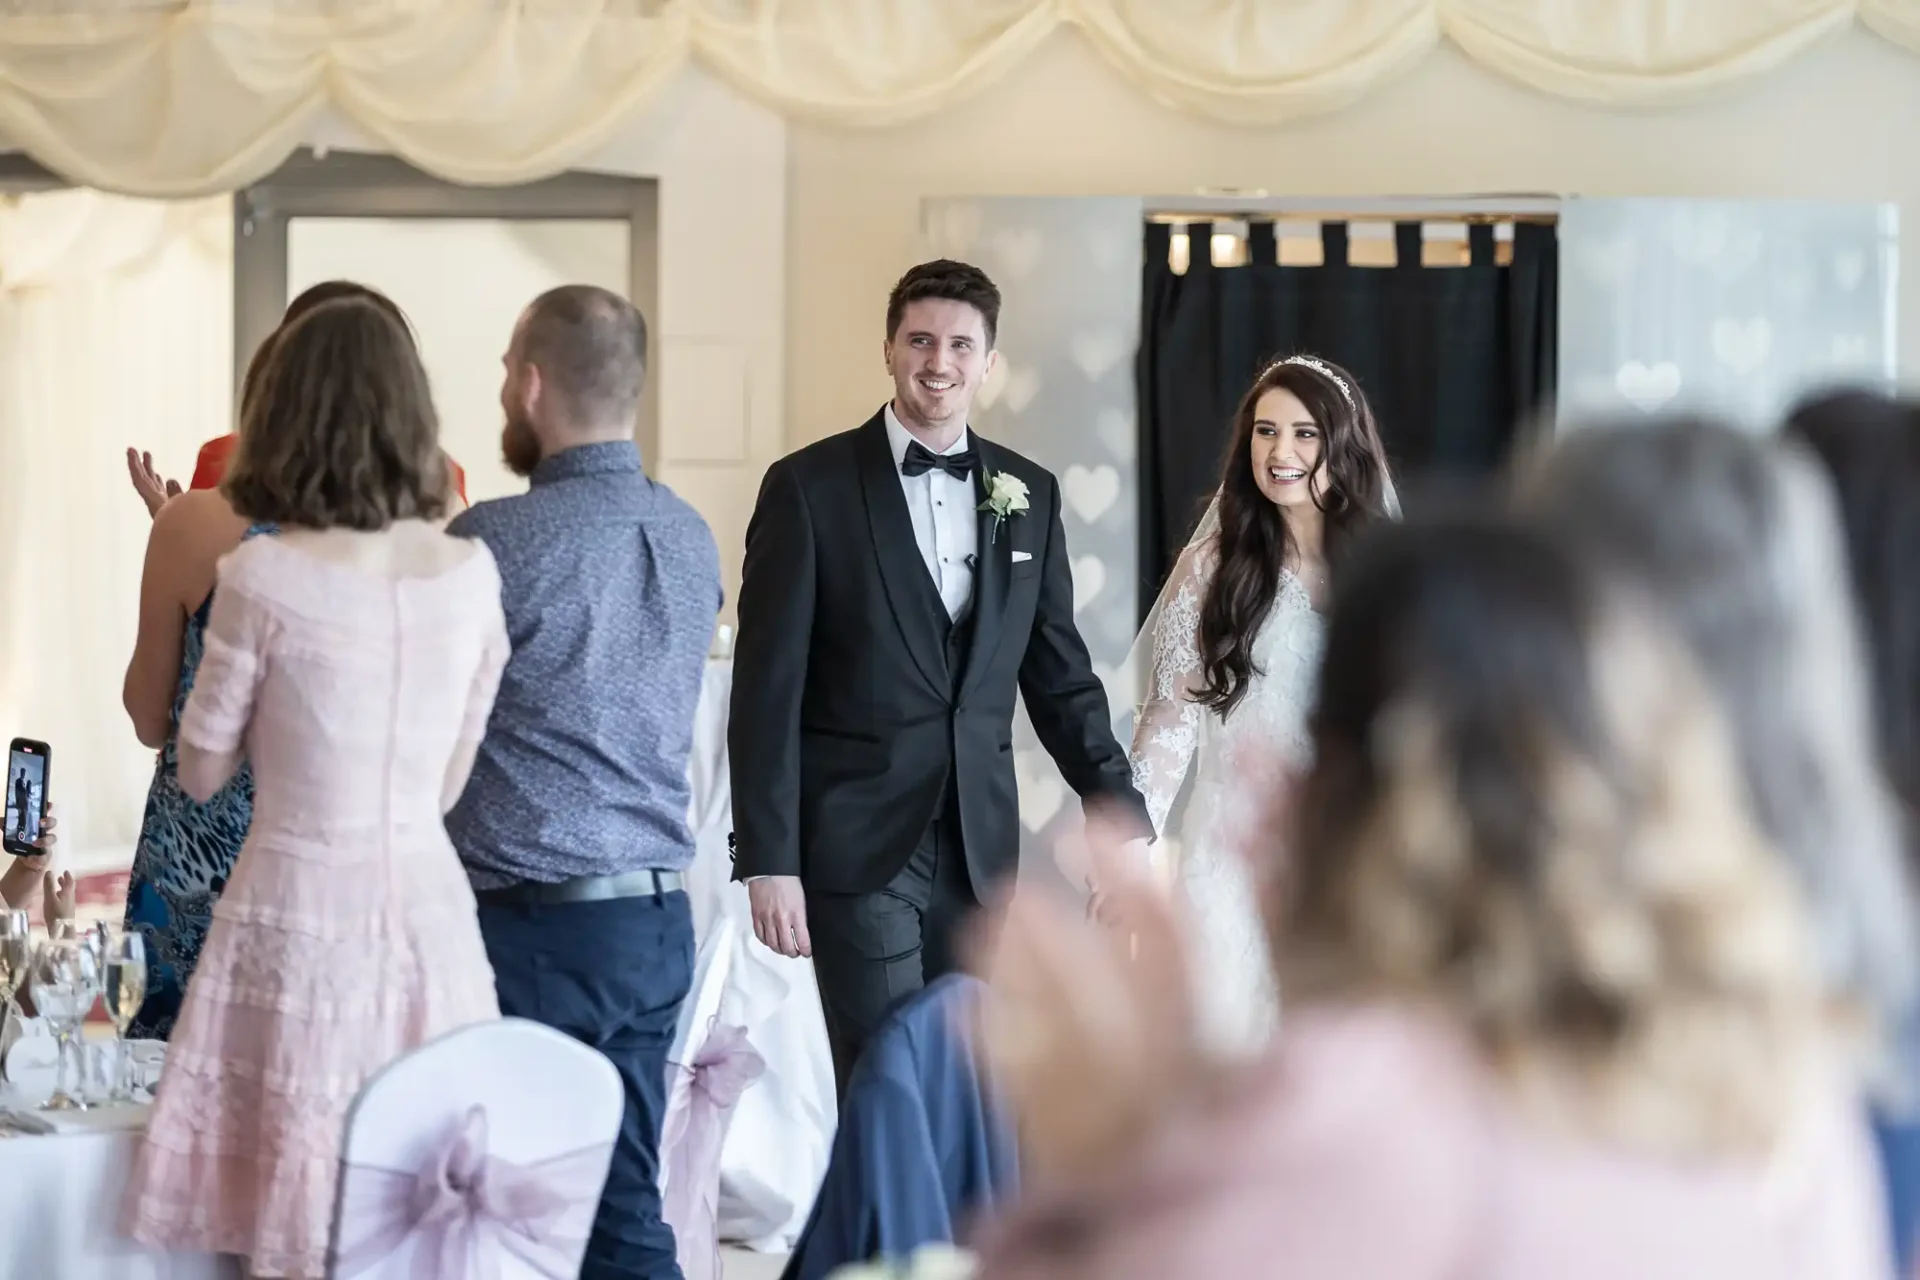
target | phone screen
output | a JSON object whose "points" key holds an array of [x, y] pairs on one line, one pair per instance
{"points": [[26, 794]]}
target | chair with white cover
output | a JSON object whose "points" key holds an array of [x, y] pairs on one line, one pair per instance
{"points": [[711, 1065], [481, 1153]]}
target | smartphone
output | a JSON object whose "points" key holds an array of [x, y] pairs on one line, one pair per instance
{"points": [[29, 767]]}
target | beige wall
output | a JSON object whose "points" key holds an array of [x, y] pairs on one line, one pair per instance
{"points": [[721, 160], [1837, 124]]}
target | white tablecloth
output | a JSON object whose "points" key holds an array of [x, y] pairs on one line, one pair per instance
{"points": [[60, 1202], [776, 1148], [60, 1196]]}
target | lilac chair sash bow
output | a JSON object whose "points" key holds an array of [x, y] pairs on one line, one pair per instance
{"points": [[467, 1210], [724, 1067]]}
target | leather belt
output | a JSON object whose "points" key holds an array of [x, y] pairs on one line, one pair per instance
{"points": [[630, 884]]}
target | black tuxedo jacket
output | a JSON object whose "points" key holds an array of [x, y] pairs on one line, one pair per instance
{"points": [[847, 722]]}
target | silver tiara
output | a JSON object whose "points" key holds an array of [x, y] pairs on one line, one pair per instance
{"points": [[1325, 370]]}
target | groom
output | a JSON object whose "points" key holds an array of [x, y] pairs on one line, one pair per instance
{"points": [[902, 580]]}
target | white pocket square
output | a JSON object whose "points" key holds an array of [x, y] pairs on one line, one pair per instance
{"points": [[1019, 556]]}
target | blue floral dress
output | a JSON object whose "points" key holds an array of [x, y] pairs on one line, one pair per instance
{"points": [[185, 855]]}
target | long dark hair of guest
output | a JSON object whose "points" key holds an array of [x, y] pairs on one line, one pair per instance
{"points": [[1253, 545]]}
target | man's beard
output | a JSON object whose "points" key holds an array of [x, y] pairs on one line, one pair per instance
{"points": [[519, 447]]}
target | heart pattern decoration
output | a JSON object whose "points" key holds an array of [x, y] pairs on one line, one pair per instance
{"points": [[1090, 492], [1109, 249], [1089, 579], [1016, 384], [1096, 354], [1850, 351], [1017, 252], [1647, 387], [1849, 269], [1740, 345], [1607, 261], [1041, 790], [1116, 431]]}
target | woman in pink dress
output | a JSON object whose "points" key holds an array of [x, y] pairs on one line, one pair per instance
{"points": [[353, 660]]}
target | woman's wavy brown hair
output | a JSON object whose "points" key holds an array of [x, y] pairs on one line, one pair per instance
{"points": [[308, 299], [1525, 813], [1252, 548], [340, 431]]}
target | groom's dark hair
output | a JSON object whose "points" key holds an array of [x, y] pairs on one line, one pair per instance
{"points": [[952, 282]]}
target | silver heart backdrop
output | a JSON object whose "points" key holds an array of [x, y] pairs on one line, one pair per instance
{"points": [[1734, 308], [1063, 394]]}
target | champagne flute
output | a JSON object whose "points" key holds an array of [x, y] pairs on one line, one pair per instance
{"points": [[16, 954], [126, 988], [66, 982]]}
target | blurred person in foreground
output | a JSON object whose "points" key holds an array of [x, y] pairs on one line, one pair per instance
{"points": [[1553, 1012], [1869, 445], [1738, 539]]}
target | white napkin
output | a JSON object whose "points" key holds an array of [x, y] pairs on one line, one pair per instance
{"points": [[149, 1058], [33, 1063]]}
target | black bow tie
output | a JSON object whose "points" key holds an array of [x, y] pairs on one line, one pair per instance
{"points": [[920, 460]]}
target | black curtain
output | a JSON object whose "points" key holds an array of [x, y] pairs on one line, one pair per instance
{"points": [[1452, 359]]}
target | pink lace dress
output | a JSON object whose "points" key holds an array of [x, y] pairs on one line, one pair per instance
{"points": [[347, 934]]}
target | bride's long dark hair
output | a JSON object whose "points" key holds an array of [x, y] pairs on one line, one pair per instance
{"points": [[1253, 542]]}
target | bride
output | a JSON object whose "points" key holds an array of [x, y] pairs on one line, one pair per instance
{"points": [[1230, 654]]}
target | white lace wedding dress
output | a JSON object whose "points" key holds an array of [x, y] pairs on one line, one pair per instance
{"points": [[1188, 764]]}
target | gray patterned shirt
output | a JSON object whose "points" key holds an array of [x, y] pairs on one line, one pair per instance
{"points": [[611, 585]]}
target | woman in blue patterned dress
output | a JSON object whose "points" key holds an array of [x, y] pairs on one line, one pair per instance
{"points": [[186, 850]]}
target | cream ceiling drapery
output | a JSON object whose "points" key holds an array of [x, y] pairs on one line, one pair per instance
{"points": [[183, 97]]}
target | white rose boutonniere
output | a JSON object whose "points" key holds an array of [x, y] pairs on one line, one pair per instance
{"points": [[1006, 498]]}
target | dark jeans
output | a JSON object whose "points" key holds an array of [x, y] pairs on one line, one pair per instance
{"points": [[612, 975], [873, 950]]}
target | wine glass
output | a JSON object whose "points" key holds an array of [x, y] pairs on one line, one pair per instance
{"points": [[66, 982], [16, 952], [126, 987]]}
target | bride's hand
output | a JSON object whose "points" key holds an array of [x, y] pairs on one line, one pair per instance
{"points": [[1091, 1028]]}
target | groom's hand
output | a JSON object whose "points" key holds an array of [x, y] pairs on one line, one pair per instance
{"points": [[780, 914]]}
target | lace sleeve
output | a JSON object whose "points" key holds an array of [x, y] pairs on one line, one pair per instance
{"points": [[1166, 730]]}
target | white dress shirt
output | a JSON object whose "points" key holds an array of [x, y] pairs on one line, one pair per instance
{"points": [[945, 523]]}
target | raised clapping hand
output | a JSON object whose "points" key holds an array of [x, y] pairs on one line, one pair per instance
{"points": [[36, 871], [153, 489], [57, 898], [1091, 1028], [780, 914]]}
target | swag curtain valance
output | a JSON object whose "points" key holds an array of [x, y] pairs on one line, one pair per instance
{"points": [[185, 97]]}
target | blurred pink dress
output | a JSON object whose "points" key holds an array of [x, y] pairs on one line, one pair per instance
{"points": [[1370, 1145], [347, 935]]}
